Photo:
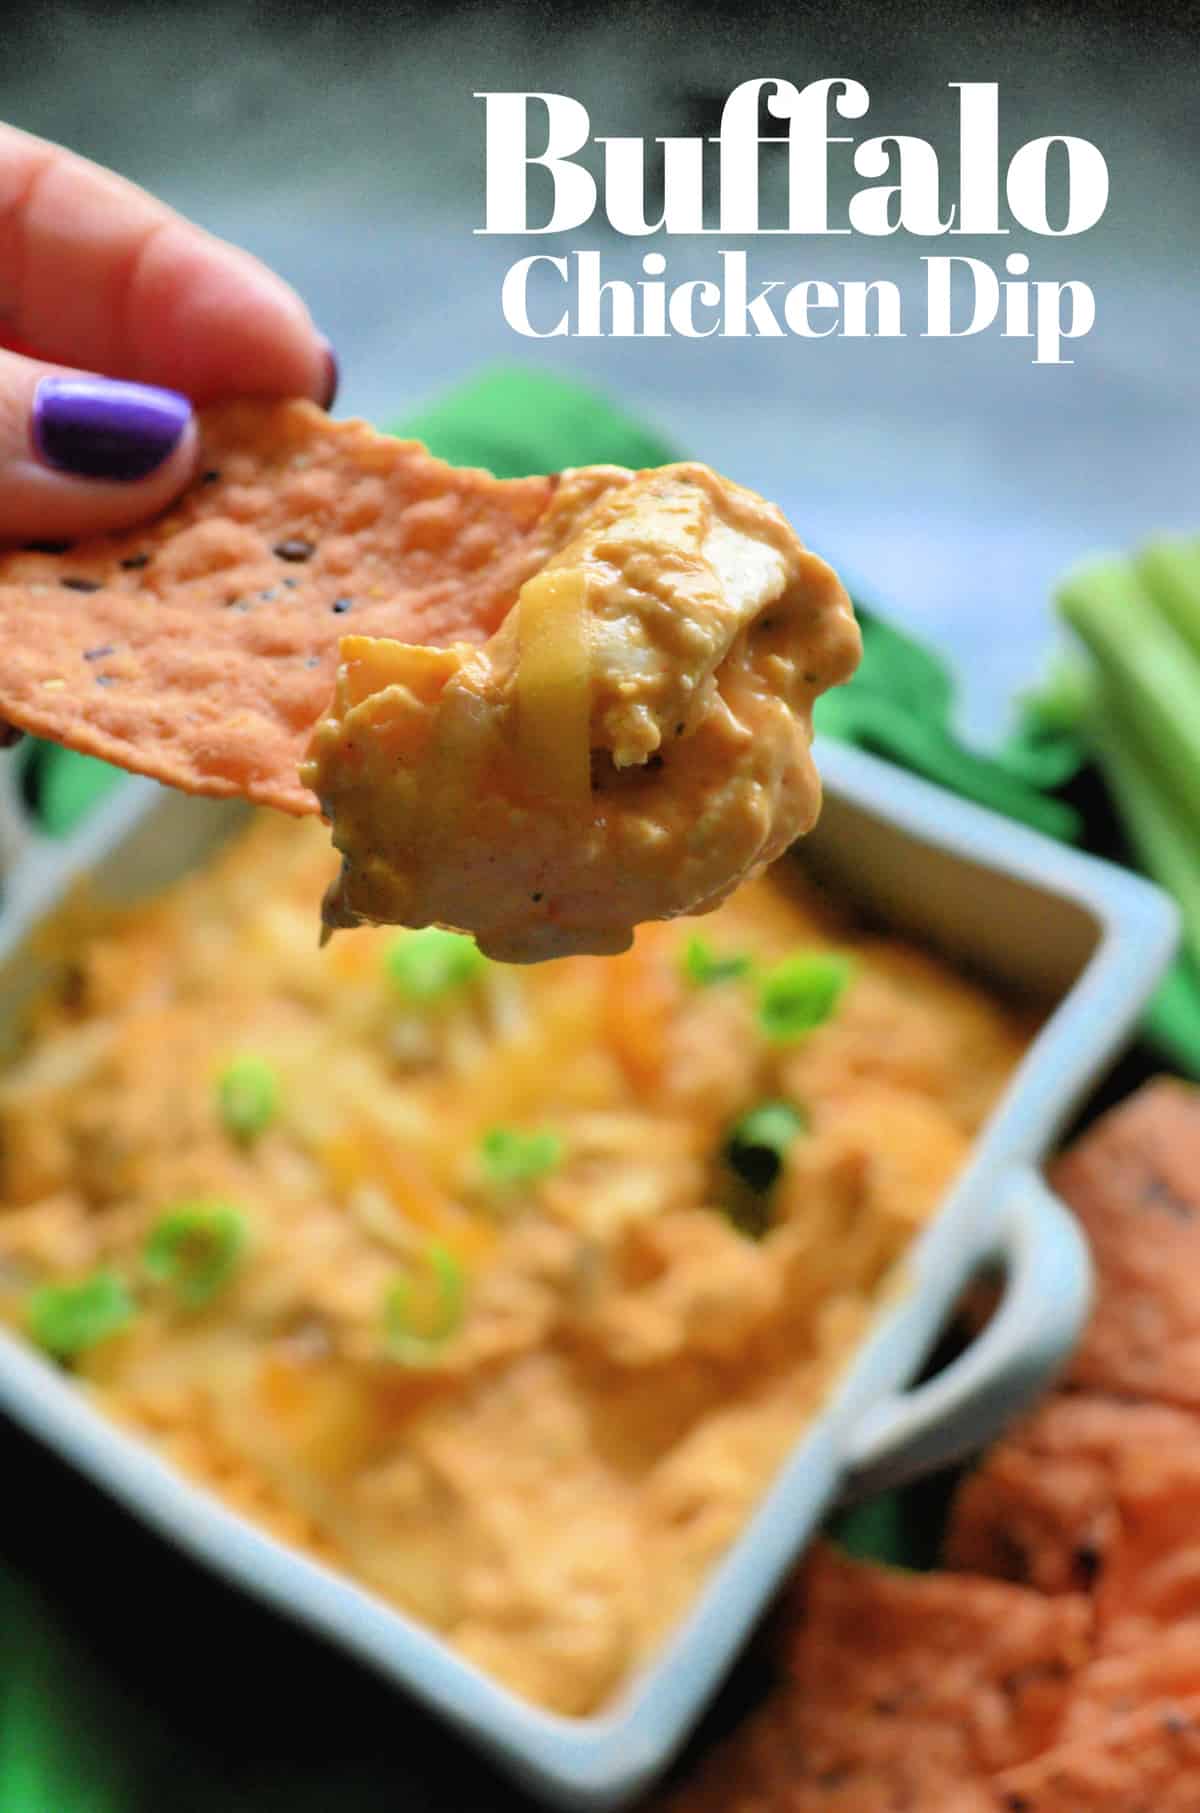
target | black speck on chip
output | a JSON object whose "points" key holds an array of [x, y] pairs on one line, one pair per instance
{"points": [[211, 476], [272, 591], [536, 897], [106, 679], [132, 563], [48, 547], [291, 584], [341, 604], [294, 548], [1086, 1562], [100, 651], [313, 661], [1158, 1194], [81, 585]]}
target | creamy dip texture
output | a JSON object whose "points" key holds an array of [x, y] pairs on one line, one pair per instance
{"points": [[504, 1290], [631, 744]]}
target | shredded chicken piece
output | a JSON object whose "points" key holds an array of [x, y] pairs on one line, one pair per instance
{"points": [[631, 744]]}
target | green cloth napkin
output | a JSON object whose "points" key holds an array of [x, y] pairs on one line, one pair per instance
{"points": [[900, 705], [110, 1700]]}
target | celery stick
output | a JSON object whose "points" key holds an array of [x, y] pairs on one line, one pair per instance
{"points": [[1164, 843], [1152, 675], [1170, 572], [1064, 701]]}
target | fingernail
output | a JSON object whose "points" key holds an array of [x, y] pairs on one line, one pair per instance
{"points": [[100, 428], [333, 374]]}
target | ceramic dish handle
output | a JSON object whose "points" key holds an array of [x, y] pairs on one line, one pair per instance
{"points": [[1046, 1299]]}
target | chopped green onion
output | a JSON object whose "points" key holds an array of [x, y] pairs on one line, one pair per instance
{"points": [[703, 967], [801, 993], [247, 1096], [756, 1144], [66, 1319], [510, 1157], [195, 1249], [432, 964], [754, 1151], [425, 1308]]}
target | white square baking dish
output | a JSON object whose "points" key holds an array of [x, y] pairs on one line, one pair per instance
{"points": [[1088, 939]]}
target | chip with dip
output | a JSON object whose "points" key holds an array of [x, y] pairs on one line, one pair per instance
{"points": [[564, 705]]}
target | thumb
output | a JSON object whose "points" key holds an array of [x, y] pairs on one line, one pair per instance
{"points": [[85, 455]]}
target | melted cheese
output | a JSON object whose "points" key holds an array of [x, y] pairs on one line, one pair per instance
{"points": [[631, 743], [553, 687]]}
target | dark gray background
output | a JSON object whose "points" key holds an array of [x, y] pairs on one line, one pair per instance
{"points": [[951, 479]]}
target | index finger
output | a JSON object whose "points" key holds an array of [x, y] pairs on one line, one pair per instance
{"points": [[96, 273]]}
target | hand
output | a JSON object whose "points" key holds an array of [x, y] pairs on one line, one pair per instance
{"points": [[96, 276]]}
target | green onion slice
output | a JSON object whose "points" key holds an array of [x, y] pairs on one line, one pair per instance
{"points": [[195, 1248], [67, 1319], [703, 967], [510, 1157], [433, 965], [425, 1307], [801, 993], [247, 1096], [757, 1144]]}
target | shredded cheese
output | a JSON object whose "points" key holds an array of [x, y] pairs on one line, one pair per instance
{"points": [[553, 686]]}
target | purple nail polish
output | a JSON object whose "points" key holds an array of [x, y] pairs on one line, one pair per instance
{"points": [[101, 428], [333, 374]]}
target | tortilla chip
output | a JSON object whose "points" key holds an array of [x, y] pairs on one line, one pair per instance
{"points": [[1041, 1508], [902, 1691], [982, 1663], [1166, 1669], [763, 1768], [1152, 1581], [202, 648], [1134, 1182], [1147, 1762]]}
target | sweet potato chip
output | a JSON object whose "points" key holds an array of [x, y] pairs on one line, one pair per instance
{"points": [[983, 1664], [902, 1691], [1134, 1182], [1147, 1762], [1166, 1668], [1152, 1581], [202, 648], [1041, 1508], [765, 1768]]}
